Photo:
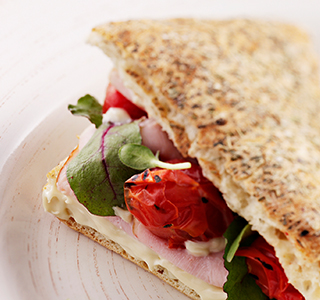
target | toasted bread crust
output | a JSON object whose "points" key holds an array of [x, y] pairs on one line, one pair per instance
{"points": [[243, 98], [159, 271]]}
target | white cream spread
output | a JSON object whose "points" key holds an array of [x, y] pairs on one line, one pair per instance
{"points": [[64, 207], [205, 248], [116, 114]]}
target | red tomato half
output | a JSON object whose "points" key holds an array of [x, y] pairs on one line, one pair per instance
{"points": [[177, 205], [264, 265], [116, 99]]}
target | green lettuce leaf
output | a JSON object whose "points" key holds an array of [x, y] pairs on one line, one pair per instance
{"points": [[89, 107], [240, 285], [96, 175]]}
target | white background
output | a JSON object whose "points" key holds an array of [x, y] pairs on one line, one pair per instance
{"points": [[44, 65]]}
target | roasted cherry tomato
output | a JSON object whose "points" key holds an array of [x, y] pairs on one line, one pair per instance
{"points": [[116, 99], [269, 274], [177, 205]]}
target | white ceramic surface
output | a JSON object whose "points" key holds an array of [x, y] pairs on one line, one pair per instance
{"points": [[44, 65]]}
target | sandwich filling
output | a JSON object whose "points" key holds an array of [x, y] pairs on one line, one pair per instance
{"points": [[177, 214], [118, 230]]}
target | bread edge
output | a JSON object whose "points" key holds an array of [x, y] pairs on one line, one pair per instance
{"points": [[159, 271]]}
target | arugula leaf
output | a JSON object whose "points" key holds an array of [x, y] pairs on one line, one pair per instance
{"points": [[96, 175], [240, 285], [140, 157], [88, 107], [236, 243]]}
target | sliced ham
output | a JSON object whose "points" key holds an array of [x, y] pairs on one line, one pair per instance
{"points": [[156, 139], [209, 268]]}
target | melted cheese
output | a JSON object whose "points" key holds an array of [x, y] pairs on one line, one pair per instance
{"points": [[125, 215], [64, 207]]}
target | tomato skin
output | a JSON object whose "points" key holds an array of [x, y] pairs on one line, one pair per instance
{"points": [[175, 206], [116, 99], [265, 266]]}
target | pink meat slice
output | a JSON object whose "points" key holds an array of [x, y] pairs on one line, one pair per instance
{"points": [[209, 268]]}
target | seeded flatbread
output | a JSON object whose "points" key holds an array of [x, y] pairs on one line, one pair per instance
{"points": [[241, 96]]}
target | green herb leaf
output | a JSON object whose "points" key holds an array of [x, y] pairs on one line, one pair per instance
{"points": [[96, 175], [240, 285], [88, 107], [140, 157], [236, 243]]}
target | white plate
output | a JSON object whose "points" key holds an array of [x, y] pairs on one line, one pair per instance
{"points": [[45, 64]]}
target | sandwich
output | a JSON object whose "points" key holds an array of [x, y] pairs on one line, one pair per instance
{"points": [[202, 165]]}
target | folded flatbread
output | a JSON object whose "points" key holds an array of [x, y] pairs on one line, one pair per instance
{"points": [[242, 97]]}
